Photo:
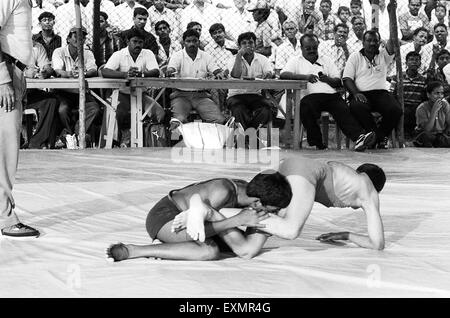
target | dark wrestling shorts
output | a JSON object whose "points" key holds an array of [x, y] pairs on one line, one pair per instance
{"points": [[165, 211]]}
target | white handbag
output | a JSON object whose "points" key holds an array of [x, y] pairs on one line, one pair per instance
{"points": [[201, 135]]}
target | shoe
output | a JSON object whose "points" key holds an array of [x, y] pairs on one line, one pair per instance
{"points": [[365, 141], [20, 230], [71, 141], [383, 144]]}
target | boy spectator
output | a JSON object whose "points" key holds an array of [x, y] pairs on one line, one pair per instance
{"points": [[133, 61], [192, 62], [327, 22], [123, 15], [343, 15], [109, 43], [47, 37], [159, 12], [249, 107], [413, 91], [167, 46]]}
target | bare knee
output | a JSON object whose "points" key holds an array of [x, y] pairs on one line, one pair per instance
{"points": [[210, 251]]}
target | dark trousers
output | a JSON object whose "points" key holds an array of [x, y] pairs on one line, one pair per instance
{"points": [[380, 101], [251, 110], [69, 102], [46, 105], [311, 107]]}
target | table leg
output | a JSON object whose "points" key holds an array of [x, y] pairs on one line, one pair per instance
{"points": [[134, 101], [297, 98], [111, 118]]}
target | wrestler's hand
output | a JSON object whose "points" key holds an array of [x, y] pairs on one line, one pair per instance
{"points": [[7, 98], [250, 217], [330, 237]]}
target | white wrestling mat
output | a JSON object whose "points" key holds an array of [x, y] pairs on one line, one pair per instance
{"points": [[83, 201]]}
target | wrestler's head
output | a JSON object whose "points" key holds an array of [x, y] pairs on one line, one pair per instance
{"points": [[272, 188], [375, 173]]}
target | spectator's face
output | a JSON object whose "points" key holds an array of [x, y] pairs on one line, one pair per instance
{"points": [[218, 36], [140, 21], [443, 60], [325, 8], [359, 26], [413, 63], [355, 9], [414, 6], [162, 31], [371, 43], [135, 45], [103, 23], [197, 28], [47, 23], [290, 30], [309, 49], [344, 15], [341, 35], [239, 3], [441, 34], [421, 38], [439, 12], [160, 4], [73, 39], [258, 14], [191, 44], [248, 44], [309, 5], [436, 94]]}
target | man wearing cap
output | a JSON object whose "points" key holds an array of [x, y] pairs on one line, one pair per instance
{"points": [[15, 53], [47, 36], [65, 63]]}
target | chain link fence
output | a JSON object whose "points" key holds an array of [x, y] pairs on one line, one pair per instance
{"points": [[277, 24]]}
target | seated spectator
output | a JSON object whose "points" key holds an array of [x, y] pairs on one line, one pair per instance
{"points": [[249, 107], [420, 36], [65, 63], [290, 46], [46, 104], [354, 42], [440, 16], [441, 72], [337, 49], [433, 119], [47, 37], [356, 9], [413, 92], [194, 63], [327, 22], [309, 17], [36, 12], [365, 78], [267, 30], [321, 95], [440, 38], [194, 25], [109, 43], [167, 46], [133, 61], [411, 20], [159, 12], [343, 15], [140, 16]]}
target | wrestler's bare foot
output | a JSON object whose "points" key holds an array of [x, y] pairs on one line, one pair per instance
{"points": [[118, 252], [193, 218]]}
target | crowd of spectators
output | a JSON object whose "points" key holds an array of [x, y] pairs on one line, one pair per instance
{"points": [[326, 42]]}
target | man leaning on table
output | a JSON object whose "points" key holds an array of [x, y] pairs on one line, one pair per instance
{"points": [[193, 63], [133, 61]]}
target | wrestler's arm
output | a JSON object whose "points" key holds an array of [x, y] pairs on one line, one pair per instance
{"points": [[290, 225], [375, 238]]}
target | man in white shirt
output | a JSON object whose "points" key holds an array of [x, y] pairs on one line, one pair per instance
{"points": [[65, 63], [191, 62], [202, 12], [248, 106], [133, 61], [289, 47], [411, 20], [237, 20], [123, 15], [15, 54], [323, 78], [365, 78], [337, 49], [159, 12], [355, 37]]}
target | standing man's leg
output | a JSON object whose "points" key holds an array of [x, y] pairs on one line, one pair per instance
{"points": [[10, 125]]}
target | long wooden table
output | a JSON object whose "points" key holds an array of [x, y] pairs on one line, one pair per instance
{"points": [[293, 88]]}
